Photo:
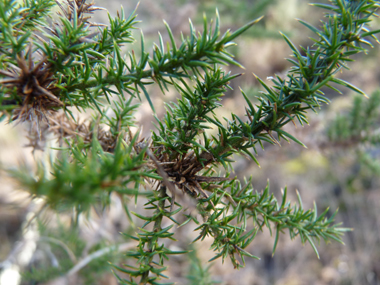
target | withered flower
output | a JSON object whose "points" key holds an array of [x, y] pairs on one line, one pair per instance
{"points": [[65, 128], [34, 85], [182, 173], [80, 8]]}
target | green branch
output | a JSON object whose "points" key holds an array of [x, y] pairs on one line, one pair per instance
{"points": [[342, 36]]}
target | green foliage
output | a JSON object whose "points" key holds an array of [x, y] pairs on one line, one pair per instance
{"points": [[198, 273], [80, 64], [95, 172], [289, 99], [66, 255], [236, 13], [359, 124], [18, 22], [355, 132]]}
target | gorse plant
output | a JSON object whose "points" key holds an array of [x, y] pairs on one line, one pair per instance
{"points": [[55, 61], [358, 125], [355, 134]]}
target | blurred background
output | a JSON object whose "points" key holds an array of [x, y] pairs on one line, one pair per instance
{"points": [[339, 169]]}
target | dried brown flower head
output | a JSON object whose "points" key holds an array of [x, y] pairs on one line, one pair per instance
{"points": [[62, 127], [34, 85], [65, 128], [80, 8], [181, 173]]}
